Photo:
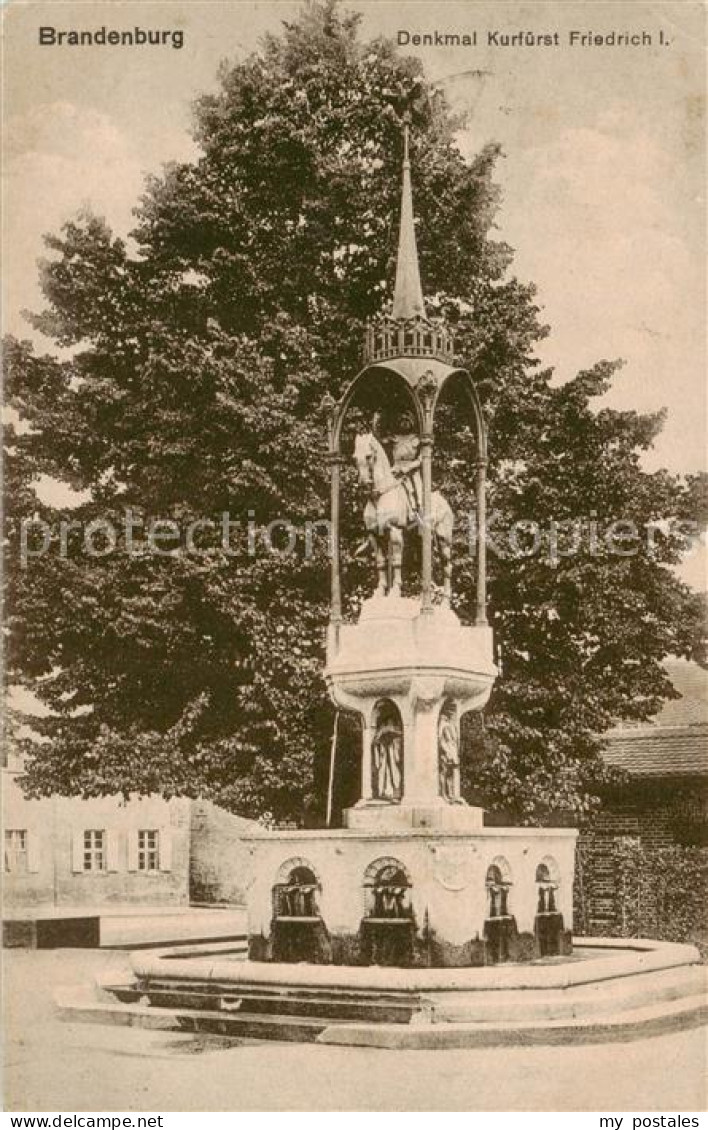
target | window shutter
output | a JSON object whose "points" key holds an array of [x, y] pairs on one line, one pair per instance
{"points": [[165, 848], [133, 849], [33, 852], [77, 850], [111, 850]]}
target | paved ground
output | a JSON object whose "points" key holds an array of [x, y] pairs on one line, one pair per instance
{"points": [[56, 1066]]}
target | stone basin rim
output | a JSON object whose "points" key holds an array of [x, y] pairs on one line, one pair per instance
{"points": [[637, 956]]}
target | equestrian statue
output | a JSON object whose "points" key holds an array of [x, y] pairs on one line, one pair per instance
{"points": [[395, 505]]}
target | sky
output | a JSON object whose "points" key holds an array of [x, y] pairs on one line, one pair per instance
{"points": [[602, 176]]}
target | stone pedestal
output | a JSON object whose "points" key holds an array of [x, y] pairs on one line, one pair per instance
{"points": [[414, 878], [446, 901], [371, 815], [417, 664]]}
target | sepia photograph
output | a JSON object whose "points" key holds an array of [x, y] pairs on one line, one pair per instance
{"points": [[355, 728]]}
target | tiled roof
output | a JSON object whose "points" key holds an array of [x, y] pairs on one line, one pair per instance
{"points": [[660, 751], [675, 742], [691, 681]]}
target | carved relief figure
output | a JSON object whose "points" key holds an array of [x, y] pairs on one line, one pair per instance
{"points": [[449, 752], [387, 754]]}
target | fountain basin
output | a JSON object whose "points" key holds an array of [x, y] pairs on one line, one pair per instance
{"points": [[609, 989]]}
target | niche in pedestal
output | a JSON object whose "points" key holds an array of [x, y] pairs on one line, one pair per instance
{"points": [[298, 931], [500, 925], [388, 928], [387, 753], [449, 752], [548, 924]]}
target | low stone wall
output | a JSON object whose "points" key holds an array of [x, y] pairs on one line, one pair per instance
{"points": [[220, 861]]}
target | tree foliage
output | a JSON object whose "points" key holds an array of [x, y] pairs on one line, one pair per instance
{"points": [[195, 362]]}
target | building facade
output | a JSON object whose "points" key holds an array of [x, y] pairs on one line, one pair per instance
{"points": [[65, 852], [641, 866], [664, 802]]}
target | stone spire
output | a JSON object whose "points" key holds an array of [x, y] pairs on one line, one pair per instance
{"points": [[407, 331], [408, 293]]}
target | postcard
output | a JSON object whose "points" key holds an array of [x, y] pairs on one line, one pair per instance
{"points": [[356, 705]]}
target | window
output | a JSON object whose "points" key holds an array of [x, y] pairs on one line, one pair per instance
{"points": [[148, 849], [16, 861], [94, 850]]}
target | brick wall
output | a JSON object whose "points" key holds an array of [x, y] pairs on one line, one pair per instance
{"points": [[656, 816]]}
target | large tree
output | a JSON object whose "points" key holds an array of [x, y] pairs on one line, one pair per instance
{"points": [[199, 358]]}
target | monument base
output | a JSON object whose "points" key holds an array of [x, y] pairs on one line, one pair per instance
{"points": [[381, 816], [418, 897]]}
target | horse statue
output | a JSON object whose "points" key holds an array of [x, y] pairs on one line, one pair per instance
{"points": [[390, 510]]}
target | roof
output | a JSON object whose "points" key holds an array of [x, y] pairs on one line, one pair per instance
{"points": [[675, 742], [661, 752], [691, 681]]}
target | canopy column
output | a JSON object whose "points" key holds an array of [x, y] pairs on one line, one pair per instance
{"points": [[335, 463], [481, 610], [426, 460]]}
